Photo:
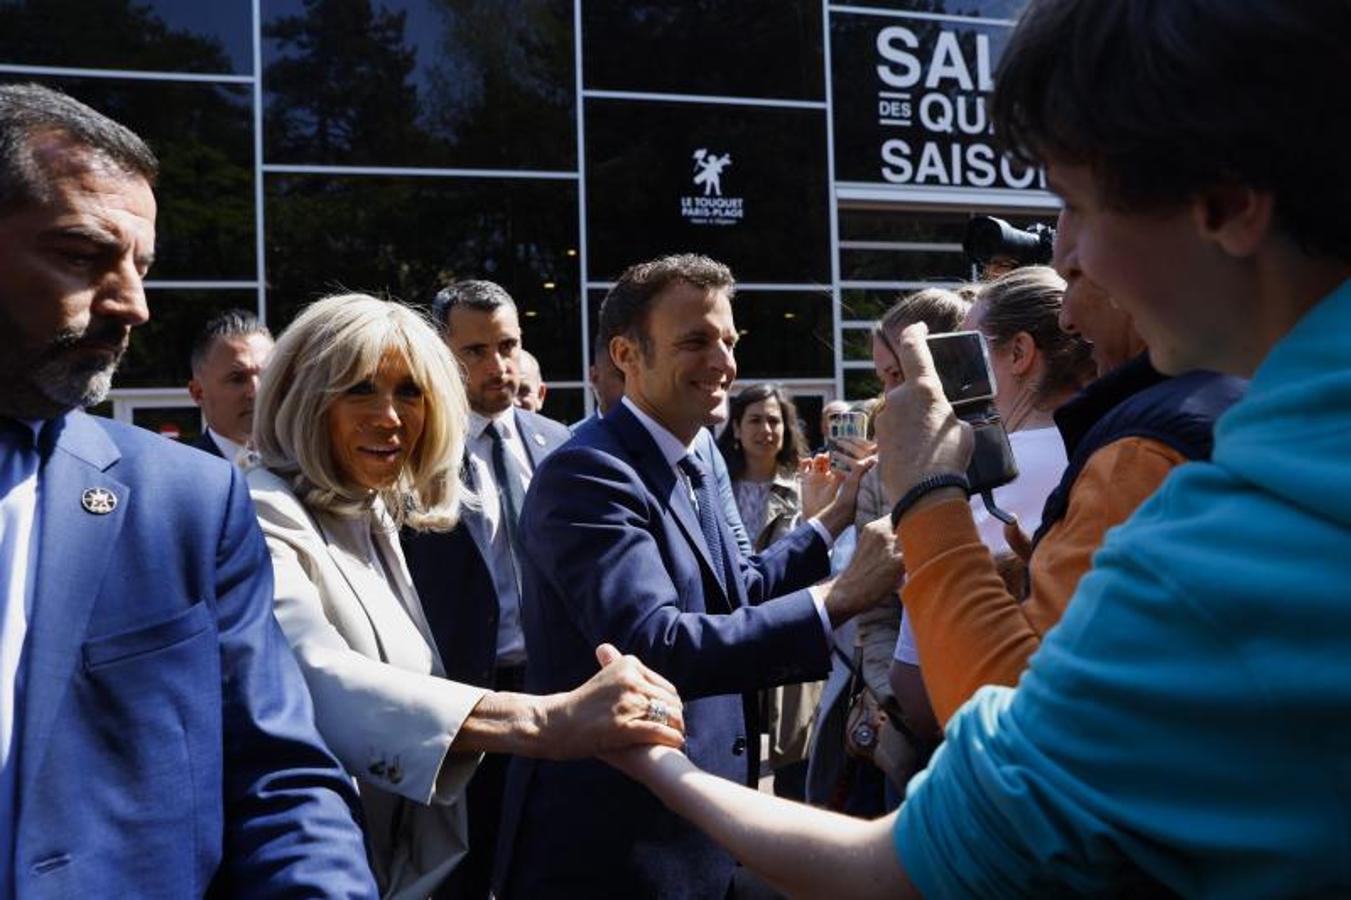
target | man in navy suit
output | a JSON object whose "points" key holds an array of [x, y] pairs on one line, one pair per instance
{"points": [[469, 578], [624, 542], [228, 358], [156, 736]]}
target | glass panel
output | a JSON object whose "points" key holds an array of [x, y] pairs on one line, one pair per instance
{"points": [[410, 236], [202, 134], [151, 35], [901, 225], [858, 344], [903, 265], [159, 350], [754, 48], [437, 83], [551, 329], [178, 423], [861, 384], [745, 185], [866, 306], [565, 404], [783, 335]]}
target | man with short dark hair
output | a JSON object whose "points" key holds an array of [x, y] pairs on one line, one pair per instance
{"points": [[623, 537], [228, 358], [156, 736], [469, 578]]}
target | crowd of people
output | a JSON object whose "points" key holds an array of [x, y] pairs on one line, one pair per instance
{"points": [[386, 630]]}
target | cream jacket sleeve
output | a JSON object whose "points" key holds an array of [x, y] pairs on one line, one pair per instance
{"points": [[390, 722]]}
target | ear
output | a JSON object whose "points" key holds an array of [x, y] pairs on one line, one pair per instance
{"points": [[543, 392], [195, 391], [1237, 218], [1022, 351], [626, 355]]}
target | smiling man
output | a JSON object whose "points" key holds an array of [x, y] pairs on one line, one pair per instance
{"points": [[623, 536]]}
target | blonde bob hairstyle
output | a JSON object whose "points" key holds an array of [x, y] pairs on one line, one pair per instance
{"points": [[338, 342]]}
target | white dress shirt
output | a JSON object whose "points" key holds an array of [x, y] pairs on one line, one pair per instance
{"points": [[673, 451], [19, 460], [228, 448], [503, 565]]}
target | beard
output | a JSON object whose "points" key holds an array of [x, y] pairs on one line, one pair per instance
{"points": [[55, 380]]}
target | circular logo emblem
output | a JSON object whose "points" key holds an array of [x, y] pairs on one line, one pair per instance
{"points": [[98, 501]]}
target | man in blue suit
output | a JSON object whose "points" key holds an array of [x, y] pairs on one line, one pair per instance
{"points": [[156, 736], [468, 579], [623, 542]]}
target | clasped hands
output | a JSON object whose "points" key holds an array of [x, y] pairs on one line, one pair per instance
{"points": [[622, 705]]}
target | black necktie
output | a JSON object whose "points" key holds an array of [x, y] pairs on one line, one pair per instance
{"points": [[708, 514], [508, 477]]}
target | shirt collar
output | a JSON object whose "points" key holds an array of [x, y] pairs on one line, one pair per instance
{"points": [[670, 446], [505, 420], [230, 449]]}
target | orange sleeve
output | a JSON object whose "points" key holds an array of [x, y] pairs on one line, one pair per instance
{"points": [[970, 630]]}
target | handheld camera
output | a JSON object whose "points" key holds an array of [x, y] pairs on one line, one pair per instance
{"points": [[962, 361]]}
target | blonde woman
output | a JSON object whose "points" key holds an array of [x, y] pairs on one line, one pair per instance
{"points": [[359, 426]]}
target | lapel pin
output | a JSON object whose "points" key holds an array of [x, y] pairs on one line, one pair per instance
{"points": [[539, 439], [98, 501]]}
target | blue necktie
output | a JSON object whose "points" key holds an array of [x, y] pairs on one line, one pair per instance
{"points": [[507, 474], [708, 514]]}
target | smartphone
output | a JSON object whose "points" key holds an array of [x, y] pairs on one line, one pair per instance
{"points": [[962, 361], [852, 424]]}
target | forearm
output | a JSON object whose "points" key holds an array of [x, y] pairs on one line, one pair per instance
{"points": [[802, 851], [970, 630], [507, 723]]}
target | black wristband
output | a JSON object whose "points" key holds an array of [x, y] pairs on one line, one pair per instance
{"points": [[926, 485]]}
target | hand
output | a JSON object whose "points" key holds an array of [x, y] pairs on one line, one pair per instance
{"points": [[832, 497], [873, 574], [610, 710], [917, 432]]}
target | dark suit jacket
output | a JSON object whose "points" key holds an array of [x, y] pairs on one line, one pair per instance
{"points": [[453, 581], [614, 552], [167, 744], [203, 441]]}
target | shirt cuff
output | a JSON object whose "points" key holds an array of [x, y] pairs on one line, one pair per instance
{"points": [[824, 532], [825, 620]]}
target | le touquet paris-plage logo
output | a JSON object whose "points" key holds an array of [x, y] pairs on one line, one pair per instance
{"points": [[708, 205]]}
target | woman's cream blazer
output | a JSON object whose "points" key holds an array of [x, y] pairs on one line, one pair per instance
{"points": [[347, 605]]}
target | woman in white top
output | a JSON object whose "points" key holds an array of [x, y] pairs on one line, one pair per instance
{"points": [[1037, 367], [359, 426]]}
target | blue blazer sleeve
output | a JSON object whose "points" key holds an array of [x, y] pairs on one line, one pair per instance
{"points": [[289, 807], [604, 556]]}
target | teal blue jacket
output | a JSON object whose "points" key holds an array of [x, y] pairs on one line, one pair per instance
{"points": [[1189, 721]]}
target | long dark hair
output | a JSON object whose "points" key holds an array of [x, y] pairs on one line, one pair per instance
{"points": [[794, 444]]}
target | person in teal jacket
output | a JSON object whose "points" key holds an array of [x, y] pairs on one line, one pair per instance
{"points": [[1186, 728]]}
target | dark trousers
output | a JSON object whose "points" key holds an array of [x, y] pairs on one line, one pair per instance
{"points": [[473, 877]]}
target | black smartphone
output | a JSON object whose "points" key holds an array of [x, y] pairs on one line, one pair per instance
{"points": [[962, 361]]}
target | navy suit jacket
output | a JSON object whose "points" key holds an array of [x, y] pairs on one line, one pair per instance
{"points": [[167, 745], [453, 581], [203, 441], [614, 552]]}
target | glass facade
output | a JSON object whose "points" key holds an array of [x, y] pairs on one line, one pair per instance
{"points": [[830, 154]]}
